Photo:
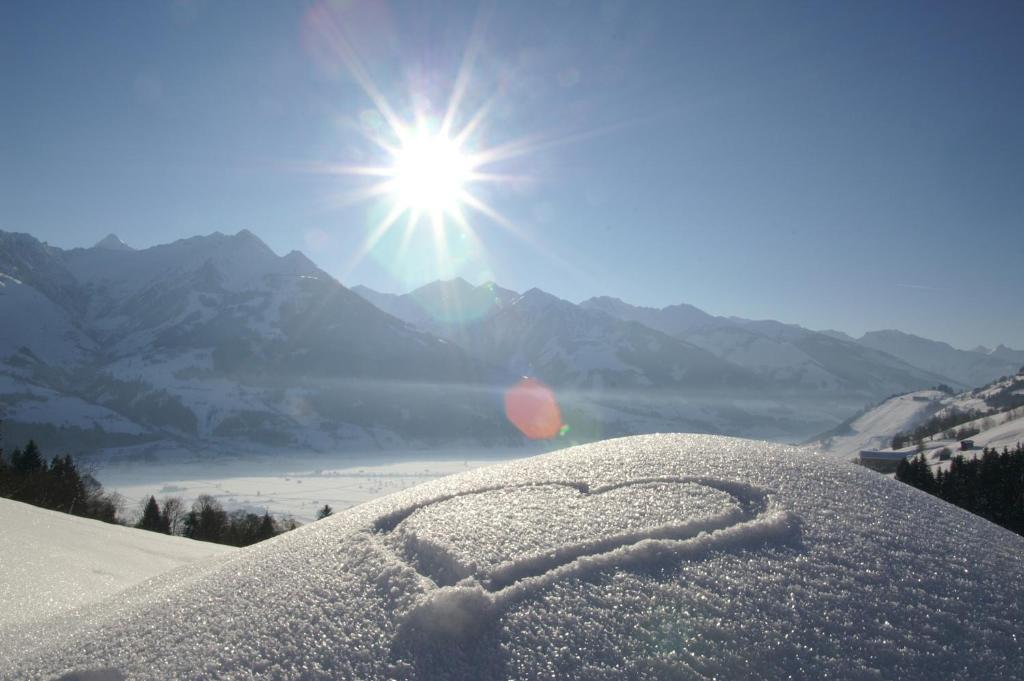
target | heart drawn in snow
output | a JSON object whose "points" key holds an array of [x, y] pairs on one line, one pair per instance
{"points": [[501, 540]]}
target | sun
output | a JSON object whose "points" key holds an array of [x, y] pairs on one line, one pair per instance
{"points": [[430, 173]]}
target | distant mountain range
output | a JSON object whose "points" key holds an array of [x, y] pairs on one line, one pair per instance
{"points": [[539, 334], [215, 342]]}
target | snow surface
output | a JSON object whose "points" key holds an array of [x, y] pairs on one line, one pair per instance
{"points": [[1010, 433], [52, 562], [651, 557]]}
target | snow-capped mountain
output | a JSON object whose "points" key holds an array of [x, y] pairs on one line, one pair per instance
{"points": [[214, 339], [600, 339], [967, 367], [538, 334], [614, 377], [215, 342], [675, 320], [442, 307], [1005, 354], [786, 356]]}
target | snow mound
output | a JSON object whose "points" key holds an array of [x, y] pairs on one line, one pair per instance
{"points": [[650, 557], [52, 562]]}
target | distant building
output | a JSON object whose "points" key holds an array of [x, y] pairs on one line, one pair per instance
{"points": [[883, 461], [966, 444]]}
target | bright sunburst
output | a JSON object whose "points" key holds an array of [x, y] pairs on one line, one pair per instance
{"points": [[428, 167], [430, 173]]}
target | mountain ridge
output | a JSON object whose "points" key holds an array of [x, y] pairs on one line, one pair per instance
{"points": [[216, 342]]}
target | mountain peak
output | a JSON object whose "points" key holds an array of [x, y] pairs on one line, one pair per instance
{"points": [[458, 287], [536, 296], [111, 242], [301, 262], [606, 303]]}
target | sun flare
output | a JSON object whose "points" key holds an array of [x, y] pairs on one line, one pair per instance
{"points": [[430, 173]]}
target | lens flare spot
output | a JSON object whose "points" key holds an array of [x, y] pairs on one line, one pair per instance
{"points": [[532, 408]]}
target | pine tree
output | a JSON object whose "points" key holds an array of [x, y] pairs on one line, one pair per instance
{"points": [[5, 476], [28, 461], [324, 512], [67, 490], [267, 529], [207, 520], [151, 519], [904, 473]]}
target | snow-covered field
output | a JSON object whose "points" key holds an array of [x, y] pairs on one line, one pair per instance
{"points": [[652, 557], [52, 562], [296, 486]]}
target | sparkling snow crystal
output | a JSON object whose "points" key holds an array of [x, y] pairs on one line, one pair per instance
{"points": [[652, 557]]}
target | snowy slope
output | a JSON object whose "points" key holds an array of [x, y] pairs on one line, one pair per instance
{"points": [[874, 429], [31, 320], [52, 562], [654, 557], [1000, 422], [1009, 434]]}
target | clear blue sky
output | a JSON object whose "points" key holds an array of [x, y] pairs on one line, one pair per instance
{"points": [[840, 165]]}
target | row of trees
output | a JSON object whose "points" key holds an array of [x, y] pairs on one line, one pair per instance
{"points": [[991, 485], [207, 520], [59, 485]]}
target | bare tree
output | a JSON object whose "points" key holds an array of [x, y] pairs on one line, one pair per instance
{"points": [[173, 511]]}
